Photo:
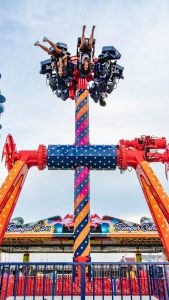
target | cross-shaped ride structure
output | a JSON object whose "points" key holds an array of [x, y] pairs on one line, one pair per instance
{"points": [[82, 156]]}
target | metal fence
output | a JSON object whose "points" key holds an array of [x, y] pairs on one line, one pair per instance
{"points": [[84, 281]]}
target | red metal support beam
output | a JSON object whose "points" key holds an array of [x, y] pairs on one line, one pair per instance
{"points": [[18, 164]]}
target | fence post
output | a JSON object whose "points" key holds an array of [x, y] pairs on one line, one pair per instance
{"points": [[83, 282], [166, 283]]}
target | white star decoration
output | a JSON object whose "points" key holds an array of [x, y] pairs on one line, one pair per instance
{"points": [[63, 157]]}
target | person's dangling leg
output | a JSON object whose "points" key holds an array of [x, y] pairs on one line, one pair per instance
{"points": [[46, 49], [60, 67], [83, 40], [91, 38], [65, 59], [59, 51]]}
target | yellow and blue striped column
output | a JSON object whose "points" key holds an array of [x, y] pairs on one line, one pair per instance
{"points": [[82, 180]]}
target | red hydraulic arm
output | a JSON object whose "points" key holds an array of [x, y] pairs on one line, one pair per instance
{"points": [[18, 165], [139, 153]]}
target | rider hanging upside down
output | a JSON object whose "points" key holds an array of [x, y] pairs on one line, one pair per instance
{"points": [[60, 55], [85, 52], [60, 70], [63, 70]]}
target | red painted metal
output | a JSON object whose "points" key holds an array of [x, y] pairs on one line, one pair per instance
{"points": [[145, 142], [82, 84], [30, 157], [131, 153], [65, 286]]}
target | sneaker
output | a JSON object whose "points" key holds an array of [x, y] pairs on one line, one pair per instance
{"points": [[45, 39], [36, 43], [102, 102], [58, 93]]}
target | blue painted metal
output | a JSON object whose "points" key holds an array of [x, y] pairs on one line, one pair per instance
{"points": [[83, 282], [1, 108], [81, 247], [71, 156], [2, 99], [108, 279]]}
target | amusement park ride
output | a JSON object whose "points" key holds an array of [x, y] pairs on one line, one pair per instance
{"points": [[69, 77]]}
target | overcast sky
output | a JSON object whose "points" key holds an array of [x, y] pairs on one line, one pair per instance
{"points": [[33, 115]]}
